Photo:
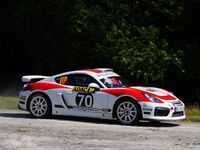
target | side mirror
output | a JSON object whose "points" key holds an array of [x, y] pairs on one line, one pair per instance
{"points": [[94, 85]]}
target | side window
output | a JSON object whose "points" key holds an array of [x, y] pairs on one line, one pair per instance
{"points": [[62, 79], [76, 80]]}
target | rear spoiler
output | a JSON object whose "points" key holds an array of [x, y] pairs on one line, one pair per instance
{"points": [[33, 78]]}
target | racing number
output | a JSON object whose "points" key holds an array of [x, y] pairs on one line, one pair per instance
{"points": [[84, 100]]}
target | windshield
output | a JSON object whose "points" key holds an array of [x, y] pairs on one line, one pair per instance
{"points": [[114, 82]]}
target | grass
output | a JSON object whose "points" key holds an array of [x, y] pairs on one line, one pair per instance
{"points": [[192, 111], [8, 102]]}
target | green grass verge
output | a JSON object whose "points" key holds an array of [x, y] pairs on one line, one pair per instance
{"points": [[192, 111], [7, 102]]}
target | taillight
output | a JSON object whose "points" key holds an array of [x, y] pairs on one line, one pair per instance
{"points": [[25, 87]]}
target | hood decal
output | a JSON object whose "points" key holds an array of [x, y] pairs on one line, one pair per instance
{"points": [[152, 90], [157, 92]]}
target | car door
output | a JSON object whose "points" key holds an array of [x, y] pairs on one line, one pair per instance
{"points": [[83, 98]]}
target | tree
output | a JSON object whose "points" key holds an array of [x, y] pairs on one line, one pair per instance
{"points": [[125, 36]]}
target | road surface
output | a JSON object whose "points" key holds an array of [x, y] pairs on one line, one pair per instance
{"points": [[19, 131]]}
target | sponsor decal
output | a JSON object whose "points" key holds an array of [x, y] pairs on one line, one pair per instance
{"points": [[84, 100], [107, 74], [91, 109], [147, 109], [84, 89]]}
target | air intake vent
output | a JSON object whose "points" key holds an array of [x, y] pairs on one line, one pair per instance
{"points": [[161, 111]]}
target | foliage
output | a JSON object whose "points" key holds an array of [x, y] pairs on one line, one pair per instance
{"points": [[150, 42], [137, 47], [193, 113]]}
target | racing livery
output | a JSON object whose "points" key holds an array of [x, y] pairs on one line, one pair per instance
{"points": [[97, 93]]}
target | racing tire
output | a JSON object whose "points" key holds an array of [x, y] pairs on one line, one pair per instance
{"points": [[40, 106], [128, 112]]}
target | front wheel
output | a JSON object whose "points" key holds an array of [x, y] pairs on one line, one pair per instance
{"points": [[127, 112], [40, 106]]}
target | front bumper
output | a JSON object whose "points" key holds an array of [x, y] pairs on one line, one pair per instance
{"points": [[167, 111]]}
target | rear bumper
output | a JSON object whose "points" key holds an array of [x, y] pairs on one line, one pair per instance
{"points": [[19, 107], [23, 97], [167, 111]]}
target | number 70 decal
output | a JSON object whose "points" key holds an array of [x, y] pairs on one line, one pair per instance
{"points": [[84, 99]]}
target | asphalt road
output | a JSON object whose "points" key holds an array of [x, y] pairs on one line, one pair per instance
{"points": [[19, 131]]}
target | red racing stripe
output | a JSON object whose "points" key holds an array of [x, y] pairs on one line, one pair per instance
{"points": [[93, 70], [135, 93], [167, 97], [44, 86]]}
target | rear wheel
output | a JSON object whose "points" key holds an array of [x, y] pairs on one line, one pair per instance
{"points": [[127, 112], [40, 106]]}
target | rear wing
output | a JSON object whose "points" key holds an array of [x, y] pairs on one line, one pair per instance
{"points": [[105, 69], [33, 78]]}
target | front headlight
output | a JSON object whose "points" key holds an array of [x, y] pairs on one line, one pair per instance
{"points": [[152, 98]]}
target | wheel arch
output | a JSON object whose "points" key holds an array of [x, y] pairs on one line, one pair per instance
{"points": [[123, 98], [34, 93]]}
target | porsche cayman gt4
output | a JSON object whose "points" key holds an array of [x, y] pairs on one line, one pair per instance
{"points": [[97, 93]]}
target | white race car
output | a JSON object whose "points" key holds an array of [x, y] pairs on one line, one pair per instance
{"points": [[97, 93]]}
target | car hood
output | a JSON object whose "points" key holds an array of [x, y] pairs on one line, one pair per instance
{"points": [[153, 91], [136, 92]]}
